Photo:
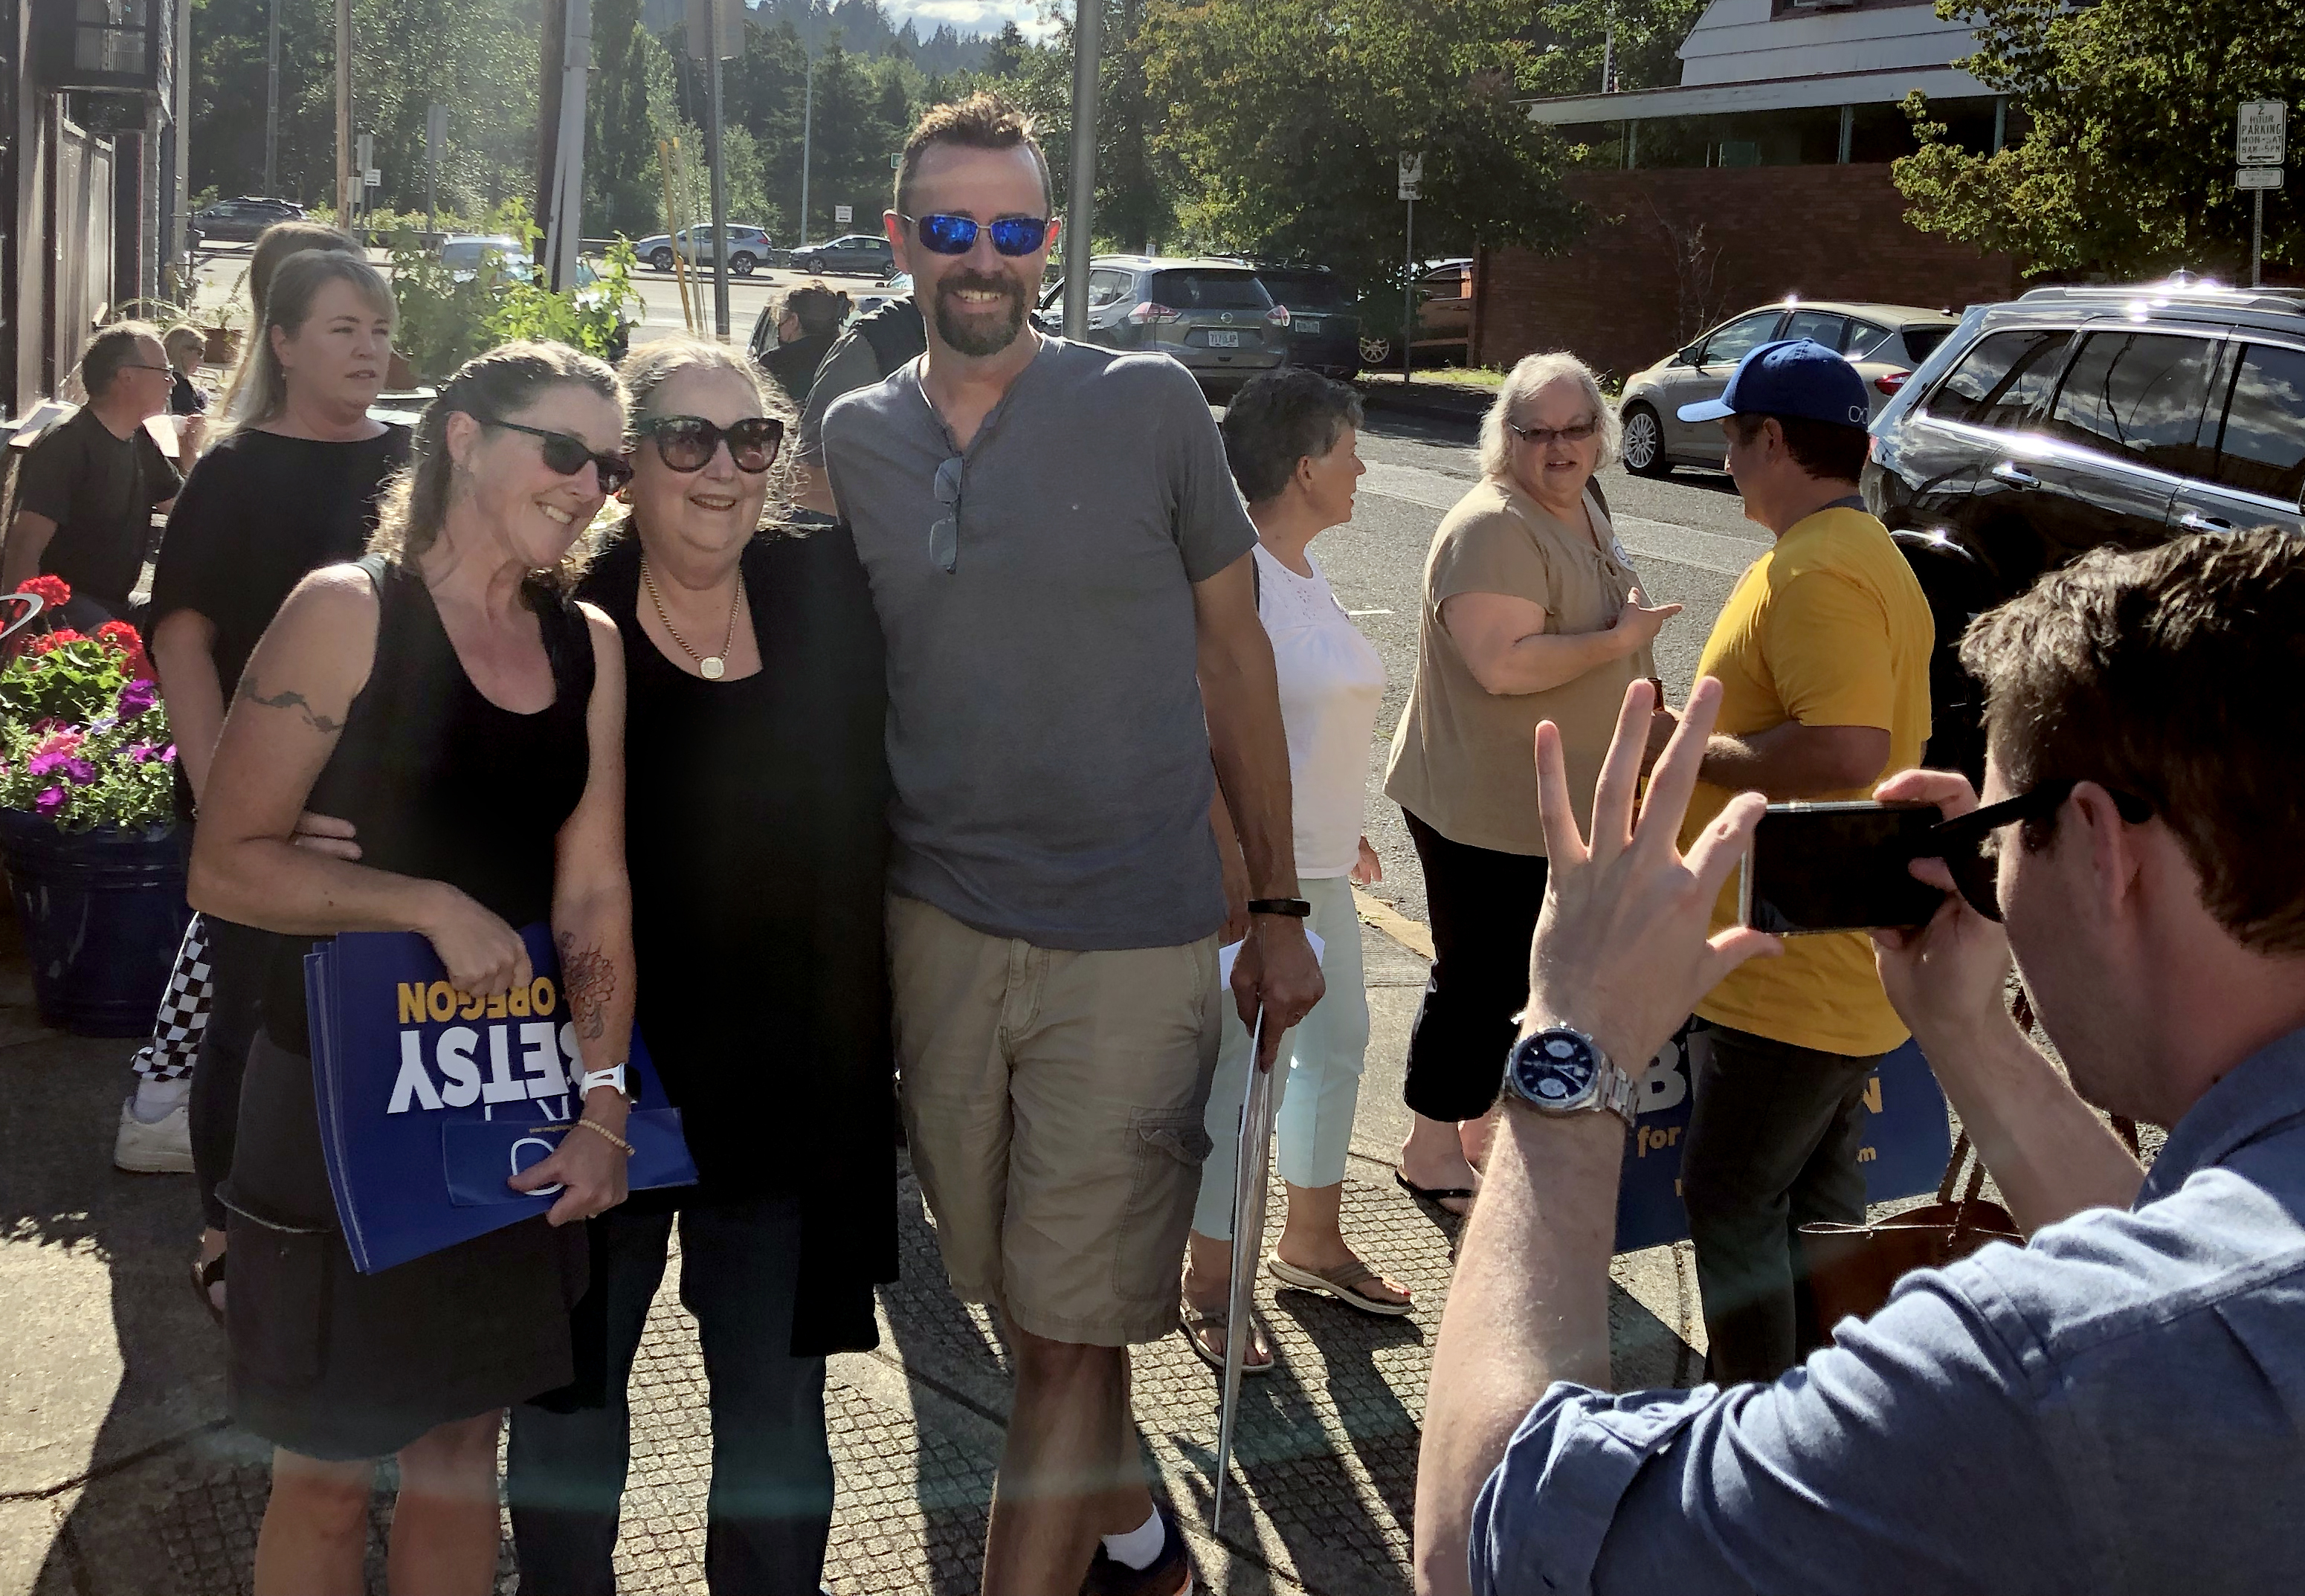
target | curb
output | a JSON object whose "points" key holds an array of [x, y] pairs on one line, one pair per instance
{"points": [[1430, 401]]}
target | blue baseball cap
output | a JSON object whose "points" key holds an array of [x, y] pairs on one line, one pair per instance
{"points": [[1792, 376]]}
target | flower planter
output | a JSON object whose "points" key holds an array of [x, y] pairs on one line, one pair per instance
{"points": [[101, 912], [399, 376], [223, 345]]}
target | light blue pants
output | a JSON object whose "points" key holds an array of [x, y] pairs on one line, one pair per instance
{"points": [[1322, 1062]]}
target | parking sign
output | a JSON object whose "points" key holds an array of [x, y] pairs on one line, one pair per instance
{"points": [[840, 215], [2260, 133]]}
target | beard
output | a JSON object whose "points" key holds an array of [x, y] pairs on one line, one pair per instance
{"points": [[974, 338]]}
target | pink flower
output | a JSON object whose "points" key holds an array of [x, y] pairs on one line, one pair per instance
{"points": [[49, 802], [168, 754], [62, 740], [137, 697], [79, 772]]}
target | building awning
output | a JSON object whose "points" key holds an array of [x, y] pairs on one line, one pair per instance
{"points": [[1886, 86]]}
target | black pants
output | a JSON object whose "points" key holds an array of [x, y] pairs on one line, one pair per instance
{"points": [[769, 1513], [1483, 906], [1774, 1134], [236, 964]]}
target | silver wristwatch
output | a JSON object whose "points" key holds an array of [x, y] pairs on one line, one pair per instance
{"points": [[1560, 1071]]}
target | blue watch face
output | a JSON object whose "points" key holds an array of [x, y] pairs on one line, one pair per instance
{"points": [[1553, 1066]]}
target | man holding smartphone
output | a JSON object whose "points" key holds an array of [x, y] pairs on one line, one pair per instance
{"points": [[2112, 1408], [1823, 655]]}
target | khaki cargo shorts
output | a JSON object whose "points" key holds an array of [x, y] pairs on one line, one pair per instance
{"points": [[1053, 1103]]}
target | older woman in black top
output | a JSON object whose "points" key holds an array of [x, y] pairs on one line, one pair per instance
{"points": [[449, 699], [754, 832]]}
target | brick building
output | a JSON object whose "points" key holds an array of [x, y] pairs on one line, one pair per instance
{"points": [[1764, 172]]}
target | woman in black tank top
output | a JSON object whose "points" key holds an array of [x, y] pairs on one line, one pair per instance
{"points": [[756, 838], [449, 699]]}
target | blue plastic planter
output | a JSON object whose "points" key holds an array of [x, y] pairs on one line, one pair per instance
{"points": [[102, 912]]}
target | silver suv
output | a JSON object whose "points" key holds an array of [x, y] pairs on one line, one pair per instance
{"points": [[1212, 315]]}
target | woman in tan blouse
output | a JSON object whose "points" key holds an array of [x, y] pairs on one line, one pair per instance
{"points": [[1531, 612]]}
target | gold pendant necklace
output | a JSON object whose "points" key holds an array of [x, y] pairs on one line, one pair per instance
{"points": [[711, 666]]}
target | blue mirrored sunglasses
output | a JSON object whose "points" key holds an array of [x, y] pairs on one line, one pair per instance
{"points": [[956, 236]]}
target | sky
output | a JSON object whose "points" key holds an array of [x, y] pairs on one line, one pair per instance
{"points": [[968, 16]]}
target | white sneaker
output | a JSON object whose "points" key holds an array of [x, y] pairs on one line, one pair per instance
{"points": [[164, 1147]]}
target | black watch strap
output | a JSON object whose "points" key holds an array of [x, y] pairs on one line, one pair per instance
{"points": [[1295, 908]]}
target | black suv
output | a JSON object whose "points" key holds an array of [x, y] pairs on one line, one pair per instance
{"points": [[2076, 417], [1324, 323]]}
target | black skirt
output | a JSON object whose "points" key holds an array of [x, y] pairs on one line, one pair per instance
{"points": [[337, 1365]]}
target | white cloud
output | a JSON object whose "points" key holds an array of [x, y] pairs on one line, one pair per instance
{"points": [[970, 16]]}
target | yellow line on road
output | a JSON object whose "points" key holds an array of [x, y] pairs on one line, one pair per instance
{"points": [[1414, 935]]}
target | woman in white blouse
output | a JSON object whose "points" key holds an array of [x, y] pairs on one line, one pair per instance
{"points": [[1291, 440]]}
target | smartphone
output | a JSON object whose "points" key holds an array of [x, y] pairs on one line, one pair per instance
{"points": [[1838, 867]]}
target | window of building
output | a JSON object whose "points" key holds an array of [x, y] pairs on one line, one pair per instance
{"points": [[2138, 395], [2261, 448]]}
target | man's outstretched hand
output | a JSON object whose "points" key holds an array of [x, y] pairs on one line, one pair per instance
{"points": [[1622, 950]]}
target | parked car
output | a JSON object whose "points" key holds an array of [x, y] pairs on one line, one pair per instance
{"points": [[463, 254], [1885, 342], [1212, 315], [1324, 327], [2072, 418], [749, 246], [854, 254], [1444, 316], [241, 219]]}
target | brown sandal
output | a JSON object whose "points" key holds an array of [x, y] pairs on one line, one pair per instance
{"points": [[1218, 1320], [205, 1276], [1345, 1286]]}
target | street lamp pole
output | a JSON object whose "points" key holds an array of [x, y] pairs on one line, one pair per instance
{"points": [[343, 112], [272, 103], [1088, 43], [807, 120]]}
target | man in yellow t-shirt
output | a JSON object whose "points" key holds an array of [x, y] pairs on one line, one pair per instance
{"points": [[1823, 653]]}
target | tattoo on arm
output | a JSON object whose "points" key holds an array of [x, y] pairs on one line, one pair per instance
{"points": [[289, 699], [590, 980]]}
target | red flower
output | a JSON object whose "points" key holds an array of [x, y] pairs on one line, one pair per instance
{"points": [[124, 637], [48, 643], [52, 589]]}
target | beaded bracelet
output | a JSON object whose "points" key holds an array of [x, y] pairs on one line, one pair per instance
{"points": [[596, 1126]]}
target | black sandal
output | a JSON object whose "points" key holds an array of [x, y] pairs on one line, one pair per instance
{"points": [[206, 1275], [1438, 1196]]}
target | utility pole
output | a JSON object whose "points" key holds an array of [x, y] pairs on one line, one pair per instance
{"points": [[343, 112], [719, 44], [1088, 45], [565, 222], [272, 103], [436, 143], [181, 219], [807, 117]]}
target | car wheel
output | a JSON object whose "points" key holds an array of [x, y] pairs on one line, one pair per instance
{"points": [[742, 265], [1376, 351], [1644, 446], [661, 260]]}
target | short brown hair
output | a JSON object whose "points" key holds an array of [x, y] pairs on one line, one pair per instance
{"points": [[111, 349], [983, 121], [2164, 673], [1825, 450]]}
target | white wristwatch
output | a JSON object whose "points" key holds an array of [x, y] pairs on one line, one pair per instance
{"points": [[613, 1075]]}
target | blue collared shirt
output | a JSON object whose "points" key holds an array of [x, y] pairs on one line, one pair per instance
{"points": [[2117, 1407]]}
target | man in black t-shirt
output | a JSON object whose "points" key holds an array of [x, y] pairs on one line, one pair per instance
{"points": [[88, 489]]}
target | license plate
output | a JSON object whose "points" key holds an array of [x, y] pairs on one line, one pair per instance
{"points": [[1223, 340], [1306, 323]]}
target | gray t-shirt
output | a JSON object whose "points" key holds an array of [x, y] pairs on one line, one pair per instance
{"points": [[848, 366], [1045, 731]]}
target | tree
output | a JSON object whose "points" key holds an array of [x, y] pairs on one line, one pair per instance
{"points": [[623, 190], [2126, 166], [1286, 117]]}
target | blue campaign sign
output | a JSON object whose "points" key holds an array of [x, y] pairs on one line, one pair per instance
{"points": [[429, 1098], [1908, 1138]]}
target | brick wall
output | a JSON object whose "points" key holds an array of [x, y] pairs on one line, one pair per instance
{"points": [[1645, 279]]}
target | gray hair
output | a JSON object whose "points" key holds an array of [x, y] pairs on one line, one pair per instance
{"points": [[1533, 374], [111, 349]]}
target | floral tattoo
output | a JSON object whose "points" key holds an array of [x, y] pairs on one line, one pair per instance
{"points": [[590, 980]]}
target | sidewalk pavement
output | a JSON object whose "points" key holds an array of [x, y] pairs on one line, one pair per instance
{"points": [[120, 1475]]}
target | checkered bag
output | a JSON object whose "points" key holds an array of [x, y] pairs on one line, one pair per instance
{"points": [[183, 1014]]}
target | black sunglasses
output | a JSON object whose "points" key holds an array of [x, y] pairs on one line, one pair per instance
{"points": [[688, 443], [944, 534], [1976, 873], [956, 236], [568, 455]]}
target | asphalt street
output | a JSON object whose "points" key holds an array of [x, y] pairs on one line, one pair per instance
{"points": [[1688, 536]]}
